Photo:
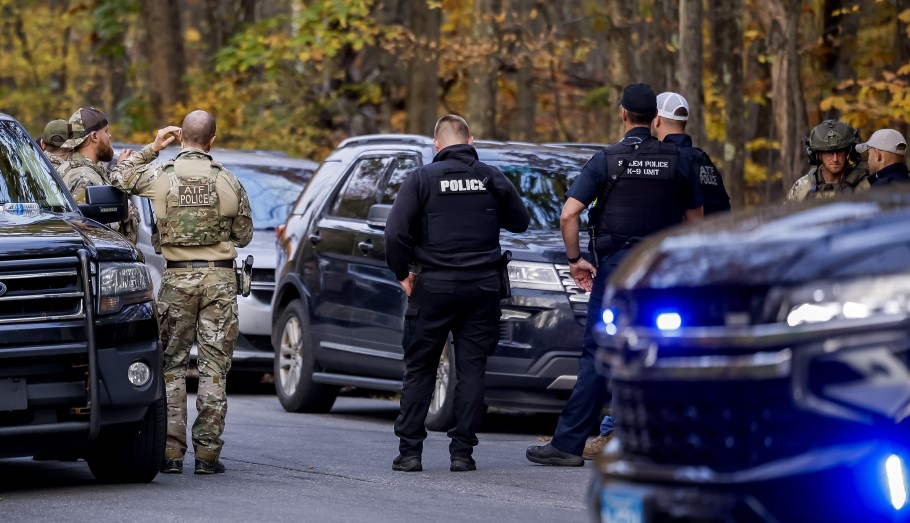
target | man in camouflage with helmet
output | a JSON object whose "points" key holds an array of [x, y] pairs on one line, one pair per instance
{"points": [[831, 147], [203, 214], [90, 143]]}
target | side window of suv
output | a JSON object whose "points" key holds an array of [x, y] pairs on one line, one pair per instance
{"points": [[401, 168], [359, 191]]}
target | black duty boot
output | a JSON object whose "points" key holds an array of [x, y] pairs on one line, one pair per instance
{"points": [[550, 455], [460, 464], [209, 467], [407, 464]]}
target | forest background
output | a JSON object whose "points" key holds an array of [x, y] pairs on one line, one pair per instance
{"points": [[299, 76]]}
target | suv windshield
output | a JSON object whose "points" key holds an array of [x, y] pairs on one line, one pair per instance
{"points": [[542, 181], [25, 175], [272, 191]]}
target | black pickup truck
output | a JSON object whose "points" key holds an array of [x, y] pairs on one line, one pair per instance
{"points": [[80, 363]]}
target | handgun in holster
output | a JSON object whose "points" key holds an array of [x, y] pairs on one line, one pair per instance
{"points": [[244, 276], [505, 288]]}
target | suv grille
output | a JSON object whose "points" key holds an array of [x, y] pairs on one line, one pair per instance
{"points": [[40, 290], [578, 298], [725, 425]]}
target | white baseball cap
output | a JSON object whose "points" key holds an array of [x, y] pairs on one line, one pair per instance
{"points": [[672, 106], [887, 140]]}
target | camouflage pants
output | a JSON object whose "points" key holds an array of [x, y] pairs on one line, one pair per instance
{"points": [[197, 305]]}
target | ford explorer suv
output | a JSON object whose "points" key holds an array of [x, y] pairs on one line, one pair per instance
{"points": [[80, 363], [338, 310], [760, 368]]}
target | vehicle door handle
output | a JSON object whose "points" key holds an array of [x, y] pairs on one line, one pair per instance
{"points": [[365, 247], [314, 239]]}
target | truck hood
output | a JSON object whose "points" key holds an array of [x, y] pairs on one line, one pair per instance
{"points": [[788, 244], [539, 245], [52, 234]]}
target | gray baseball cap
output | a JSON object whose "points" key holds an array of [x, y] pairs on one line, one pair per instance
{"points": [[887, 140]]}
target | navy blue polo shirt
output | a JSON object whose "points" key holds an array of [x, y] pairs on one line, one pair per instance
{"points": [[589, 184]]}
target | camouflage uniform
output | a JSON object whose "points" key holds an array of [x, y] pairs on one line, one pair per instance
{"points": [[58, 158], [194, 304], [55, 135], [812, 185], [80, 172]]}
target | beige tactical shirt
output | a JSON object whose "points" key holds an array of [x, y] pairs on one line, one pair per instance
{"points": [[137, 175], [856, 179]]}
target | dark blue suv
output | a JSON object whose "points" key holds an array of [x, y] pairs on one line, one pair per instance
{"points": [[338, 310]]}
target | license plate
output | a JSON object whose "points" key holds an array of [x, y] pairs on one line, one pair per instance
{"points": [[13, 394], [621, 506]]}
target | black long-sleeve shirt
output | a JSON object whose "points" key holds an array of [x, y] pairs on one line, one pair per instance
{"points": [[404, 224]]}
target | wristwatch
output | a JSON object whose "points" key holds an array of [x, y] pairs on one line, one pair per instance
{"points": [[575, 259]]}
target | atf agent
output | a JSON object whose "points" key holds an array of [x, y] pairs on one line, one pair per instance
{"points": [[90, 143], [670, 127], [445, 221], [638, 186], [203, 214], [52, 140], [831, 147]]}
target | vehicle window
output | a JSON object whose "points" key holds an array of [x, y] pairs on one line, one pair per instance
{"points": [[25, 176], [272, 191], [401, 168], [542, 181], [359, 191]]}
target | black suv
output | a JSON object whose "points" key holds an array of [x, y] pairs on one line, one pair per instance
{"points": [[338, 311], [760, 368], [80, 364]]}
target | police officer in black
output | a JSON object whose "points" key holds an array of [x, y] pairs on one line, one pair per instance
{"points": [[670, 126], [637, 187], [442, 244]]}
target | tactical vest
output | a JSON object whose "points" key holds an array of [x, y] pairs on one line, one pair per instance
{"points": [[645, 195], [710, 181], [848, 182], [192, 214], [460, 214]]}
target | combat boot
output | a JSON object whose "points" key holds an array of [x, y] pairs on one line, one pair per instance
{"points": [[172, 466], [209, 467], [595, 446]]}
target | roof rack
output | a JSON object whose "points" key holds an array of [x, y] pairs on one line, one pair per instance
{"points": [[386, 138]]}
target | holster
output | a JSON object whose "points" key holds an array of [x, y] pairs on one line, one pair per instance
{"points": [[505, 288], [244, 277]]}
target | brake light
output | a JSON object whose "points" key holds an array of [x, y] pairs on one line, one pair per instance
{"points": [[279, 231]]}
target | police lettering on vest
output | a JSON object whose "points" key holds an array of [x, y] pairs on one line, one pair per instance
{"points": [[194, 196], [461, 185]]}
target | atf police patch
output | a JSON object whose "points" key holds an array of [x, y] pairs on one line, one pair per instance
{"points": [[460, 186]]}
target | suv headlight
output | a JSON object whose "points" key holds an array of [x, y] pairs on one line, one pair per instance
{"points": [[532, 275], [123, 284], [848, 300]]}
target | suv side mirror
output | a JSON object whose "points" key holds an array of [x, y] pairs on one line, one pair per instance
{"points": [[378, 215], [104, 204]]}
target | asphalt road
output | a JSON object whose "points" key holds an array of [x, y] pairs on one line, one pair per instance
{"points": [[326, 468]]}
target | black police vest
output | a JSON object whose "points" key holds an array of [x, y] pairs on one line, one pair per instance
{"points": [[711, 182], [646, 195], [460, 214]]}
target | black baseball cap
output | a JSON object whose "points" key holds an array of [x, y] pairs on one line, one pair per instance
{"points": [[639, 98]]}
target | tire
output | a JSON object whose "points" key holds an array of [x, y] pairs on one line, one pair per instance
{"points": [[131, 452], [441, 416], [295, 364]]}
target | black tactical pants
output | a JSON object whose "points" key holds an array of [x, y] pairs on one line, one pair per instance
{"points": [[470, 311]]}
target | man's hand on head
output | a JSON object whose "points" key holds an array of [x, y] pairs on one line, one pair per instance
{"points": [[165, 137]]}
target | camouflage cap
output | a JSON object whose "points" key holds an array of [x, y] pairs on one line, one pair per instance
{"points": [[55, 133], [83, 122]]}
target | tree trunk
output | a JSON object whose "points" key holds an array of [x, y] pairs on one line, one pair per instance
{"points": [[781, 20], [481, 107], [164, 53], [690, 67], [526, 29], [839, 31], [423, 70], [728, 35], [618, 65]]}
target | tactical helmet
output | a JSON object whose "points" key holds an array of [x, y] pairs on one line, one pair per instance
{"points": [[831, 135]]}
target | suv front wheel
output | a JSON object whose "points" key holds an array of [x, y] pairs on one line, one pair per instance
{"points": [[295, 364]]}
